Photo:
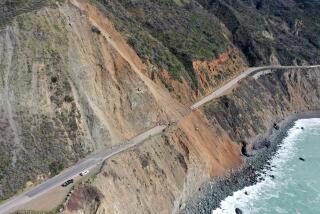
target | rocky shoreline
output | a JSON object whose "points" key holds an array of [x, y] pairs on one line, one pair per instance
{"points": [[210, 195]]}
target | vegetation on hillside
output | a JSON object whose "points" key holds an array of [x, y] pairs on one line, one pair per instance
{"points": [[12, 8], [169, 34], [266, 29]]}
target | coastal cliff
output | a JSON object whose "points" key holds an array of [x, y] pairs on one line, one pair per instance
{"points": [[252, 108], [68, 90], [199, 152], [80, 76]]}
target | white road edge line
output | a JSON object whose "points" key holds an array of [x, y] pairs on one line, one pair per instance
{"points": [[14, 203]]}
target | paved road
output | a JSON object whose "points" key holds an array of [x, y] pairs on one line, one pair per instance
{"points": [[89, 162], [255, 71], [96, 159]]}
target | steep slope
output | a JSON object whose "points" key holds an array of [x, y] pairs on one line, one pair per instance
{"points": [[160, 175], [265, 101], [177, 40], [248, 115], [277, 32], [174, 36], [165, 173], [77, 76], [67, 89]]}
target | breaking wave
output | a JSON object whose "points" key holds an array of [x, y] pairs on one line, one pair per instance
{"points": [[247, 198]]}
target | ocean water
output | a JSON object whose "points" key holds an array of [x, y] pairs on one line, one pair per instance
{"points": [[295, 187]]}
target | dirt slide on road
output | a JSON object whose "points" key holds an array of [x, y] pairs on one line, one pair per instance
{"points": [[172, 108]]}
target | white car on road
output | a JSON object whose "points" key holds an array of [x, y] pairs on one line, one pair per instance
{"points": [[84, 172]]}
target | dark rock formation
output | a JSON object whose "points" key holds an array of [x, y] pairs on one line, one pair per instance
{"points": [[244, 150], [261, 144], [238, 211], [271, 31]]}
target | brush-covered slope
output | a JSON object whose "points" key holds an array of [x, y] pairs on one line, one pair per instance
{"points": [[159, 176], [283, 31], [69, 86], [77, 76], [248, 115], [187, 48], [165, 172]]}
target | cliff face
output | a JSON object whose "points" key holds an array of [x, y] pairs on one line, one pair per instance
{"points": [[276, 32], [162, 173], [249, 114], [69, 86], [252, 108], [173, 38], [78, 76], [167, 171]]}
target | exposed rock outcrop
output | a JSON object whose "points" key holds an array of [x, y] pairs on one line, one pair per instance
{"points": [[206, 146], [161, 174], [250, 111], [67, 90], [77, 76]]}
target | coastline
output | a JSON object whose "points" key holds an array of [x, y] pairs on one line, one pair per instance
{"points": [[213, 192]]}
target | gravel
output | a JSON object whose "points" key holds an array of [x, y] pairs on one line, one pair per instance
{"points": [[213, 192]]}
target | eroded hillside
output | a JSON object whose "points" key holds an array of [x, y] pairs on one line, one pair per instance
{"points": [[161, 174], [164, 173], [69, 86], [187, 50], [277, 32], [248, 114], [78, 76]]}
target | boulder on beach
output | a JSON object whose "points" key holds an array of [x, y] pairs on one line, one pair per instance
{"points": [[276, 126], [238, 211], [244, 151], [262, 144]]}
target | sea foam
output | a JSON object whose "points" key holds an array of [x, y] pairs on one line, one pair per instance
{"points": [[269, 187]]}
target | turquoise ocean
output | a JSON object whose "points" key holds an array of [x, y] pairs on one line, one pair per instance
{"points": [[295, 186]]}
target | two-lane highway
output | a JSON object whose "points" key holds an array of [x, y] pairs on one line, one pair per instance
{"points": [[256, 71], [96, 159], [88, 163]]}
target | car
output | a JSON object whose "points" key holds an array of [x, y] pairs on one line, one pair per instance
{"points": [[84, 172], [68, 182]]}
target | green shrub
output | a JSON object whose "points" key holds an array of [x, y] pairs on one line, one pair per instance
{"points": [[56, 167]]}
